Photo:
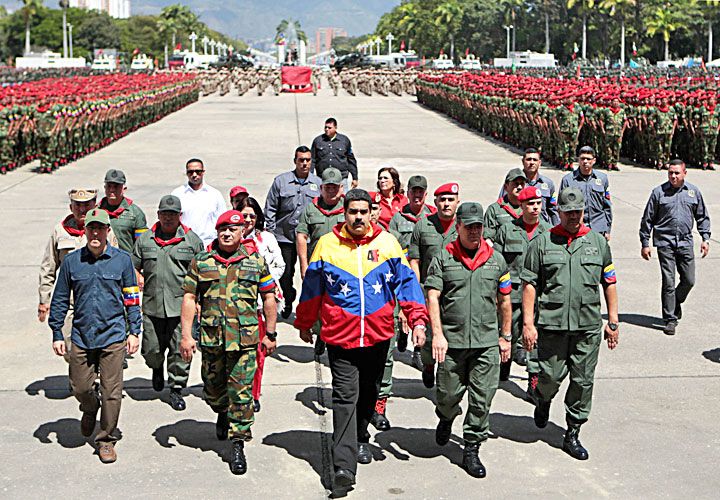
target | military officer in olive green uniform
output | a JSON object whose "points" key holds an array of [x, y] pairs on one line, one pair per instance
{"points": [[563, 271], [467, 284], [430, 235], [507, 208], [512, 241], [162, 255], [126, 219], [226, 281]]}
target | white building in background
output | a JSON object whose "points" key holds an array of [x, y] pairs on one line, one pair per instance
{"points": [[119, 9]]}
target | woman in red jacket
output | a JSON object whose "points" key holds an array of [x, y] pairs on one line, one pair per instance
{"points": [[390, 195]]}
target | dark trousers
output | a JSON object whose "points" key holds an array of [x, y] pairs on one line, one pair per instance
{"points": [[356, 376], [289, 255], [84, 366], [160, 335], [671, 259]]}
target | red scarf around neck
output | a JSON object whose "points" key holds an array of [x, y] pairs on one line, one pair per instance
{"points": [[482, 255], [560, 231], [327, 213], [446, 224], [248, 244], [114, 214], [171, 241], [72, 231], [508, 208]]}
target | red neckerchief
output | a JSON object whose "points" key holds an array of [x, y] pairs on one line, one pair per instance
{"points": [[327, 213], [482, 255], [246, 248], [508, 208], [114, 214], [171, 241], [363, 240], [560, 231], [409, 215], [530, 229], [72, 231]]}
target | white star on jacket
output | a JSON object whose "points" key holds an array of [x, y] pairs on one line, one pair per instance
{"points": [[329, 279], [345, 289], [377, 287], [388, 276]]}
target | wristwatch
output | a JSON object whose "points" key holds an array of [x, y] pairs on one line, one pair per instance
{"points": [[613, 326], [271, 335], [506, 336]]}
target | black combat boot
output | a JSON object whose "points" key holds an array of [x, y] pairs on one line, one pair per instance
{"points": [[238, 463], [158, 379], [443, 431], [471, 460], [221, 426], [505, 370], [572, 445], [542, 414]]}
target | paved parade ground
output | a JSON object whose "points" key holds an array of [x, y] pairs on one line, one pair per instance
{"points": [[653, 431]]}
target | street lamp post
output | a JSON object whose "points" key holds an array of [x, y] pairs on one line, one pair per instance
{"points": [[390, 39], [192, 38], [212, 47], [205, 41], [70, 27], [63, 6], [377, 45], [507, 29]]}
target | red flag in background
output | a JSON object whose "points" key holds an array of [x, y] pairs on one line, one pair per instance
{"points": [[402, 45]]}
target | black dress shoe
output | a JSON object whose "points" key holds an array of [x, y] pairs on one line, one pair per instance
{"points": [[364, 455], [343, 478], [572, 446], [670, 327], [471, 460], [177, 402], [158, 379], [287, 311], [505, 370], [238, 462], [256, 405], [221, 426], [521, 356], [428, 376], [542, 414], [443, 432], [402, 342], [380, 421]]}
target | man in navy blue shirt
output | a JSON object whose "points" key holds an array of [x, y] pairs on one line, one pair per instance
{"points": [[102, 282]]}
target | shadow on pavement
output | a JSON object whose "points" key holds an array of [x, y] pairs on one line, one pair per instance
{"points": [[309, 399], [66, 430], [523, 430], [400, 442], [304, 445], [512, 388], [54, 387], [193, 434], [650, 322], [298, 354], [712, 355], [412, 388]]}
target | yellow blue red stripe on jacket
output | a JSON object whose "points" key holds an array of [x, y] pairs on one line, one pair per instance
{"points": [[352, 285]]}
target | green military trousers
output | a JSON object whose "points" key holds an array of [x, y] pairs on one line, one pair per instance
{"points": [[160, 335], [476, 371], [516, 331], [228, 378], [573, 353]]}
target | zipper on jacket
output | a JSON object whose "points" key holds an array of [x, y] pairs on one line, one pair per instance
{"points": [[362, 297]]}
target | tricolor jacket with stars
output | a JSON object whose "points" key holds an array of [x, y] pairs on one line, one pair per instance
{"points": [[352, 285]]}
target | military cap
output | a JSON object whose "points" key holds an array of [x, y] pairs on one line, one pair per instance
{"points": [[230, 218], [571, 199], [530, 193], [237, 190], [82, 194], [448, 188], [331, 176], [470, 212], [417, 181], [115, 176], [97, 215], [515, 173], [170, 203]]}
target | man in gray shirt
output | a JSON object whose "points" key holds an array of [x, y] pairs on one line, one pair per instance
{"points": [[331, 149], [669, 215], [289, 194]]}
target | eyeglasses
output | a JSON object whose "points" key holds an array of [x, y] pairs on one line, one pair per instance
{"points": [[304, 160], [249, 216], [193, 172]]}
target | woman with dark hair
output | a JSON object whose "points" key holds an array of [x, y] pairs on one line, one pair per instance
{"points": [[268, 248], [390, 195]]}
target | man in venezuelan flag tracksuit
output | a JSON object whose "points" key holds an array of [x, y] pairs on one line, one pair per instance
{"points": [[354, 277]]}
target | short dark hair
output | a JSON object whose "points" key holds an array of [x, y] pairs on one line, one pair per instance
{"points": [[531, 151], [586, 150], [194, 160], [356, 195], [253, 203], [301, 149], [677, 162], [331, 120]]}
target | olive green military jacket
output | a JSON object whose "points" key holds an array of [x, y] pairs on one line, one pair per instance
{"points": [[512, 241], [227, 291], [468, 300], [164, 266], [496, 216], [128, 222], [402, 224], [317, 220], [428, 240], [567, 281]]}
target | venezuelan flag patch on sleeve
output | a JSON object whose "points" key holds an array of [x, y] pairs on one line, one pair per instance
{"points": [[131, 296], [505, 284], [267, 284], [139, 232], [609, 274]]}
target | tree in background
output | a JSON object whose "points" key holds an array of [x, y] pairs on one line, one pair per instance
{"points": [[447, 18], [98, 31], [668, 18], [29, 10]]}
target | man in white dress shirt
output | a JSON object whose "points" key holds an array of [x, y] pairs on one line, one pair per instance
{"points": [[202, 204]]}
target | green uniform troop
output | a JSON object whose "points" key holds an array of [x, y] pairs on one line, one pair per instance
{"points": [[497, 214], [128, 222], [227, 291], [164, 265], [318, 220], [403, 223]]}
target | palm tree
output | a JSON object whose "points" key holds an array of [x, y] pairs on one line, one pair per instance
{"points": [[448, 15], [29, 9], [511, 7], [178, 18], [619, 7], [662, 22], [168, 28], [409, 21], [64, 4], [290, 25], [710, 9], [585, 7], [547, 6]]}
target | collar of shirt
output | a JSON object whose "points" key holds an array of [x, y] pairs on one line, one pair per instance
{"points": [[86, 255], [298, 180], [189, 188], [580, 176]]}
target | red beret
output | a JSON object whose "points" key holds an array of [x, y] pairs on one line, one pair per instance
{"points": [[449, 188], [237, 190], [229, 218], [530, 193]]}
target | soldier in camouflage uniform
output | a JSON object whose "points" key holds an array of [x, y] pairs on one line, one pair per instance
{"points": [[224, 282]]}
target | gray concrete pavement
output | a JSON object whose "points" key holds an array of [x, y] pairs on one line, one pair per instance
{"points": [[653, 431]]}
